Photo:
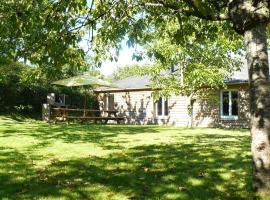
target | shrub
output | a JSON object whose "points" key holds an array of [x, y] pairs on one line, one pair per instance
{"points": [[24, 89]]}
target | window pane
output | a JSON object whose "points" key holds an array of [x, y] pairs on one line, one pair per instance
{"points": [[159, 106], [111, 102], [234, 103], [172, 69], [225, 103], [59, 98], [166, 110], [56, 97]]}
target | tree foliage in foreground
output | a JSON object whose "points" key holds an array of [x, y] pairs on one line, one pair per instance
{"points": [[42, 32], [197, 62]]}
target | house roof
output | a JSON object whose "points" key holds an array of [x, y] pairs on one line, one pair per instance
{"points": [[129, 83], [143, 82], [240, 76]]}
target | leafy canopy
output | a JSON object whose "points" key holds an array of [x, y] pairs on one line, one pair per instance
{"points": [[48, 33], [204, 52], [42, 33]]}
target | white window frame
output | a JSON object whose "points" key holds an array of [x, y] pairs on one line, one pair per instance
{"points": [[230, 116], [163, 108]]}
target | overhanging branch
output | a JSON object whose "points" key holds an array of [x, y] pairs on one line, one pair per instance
{"points": [[192, 11]]}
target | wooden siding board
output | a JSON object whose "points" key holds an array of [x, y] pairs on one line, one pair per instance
{"points": [[138, 107], [207, 114]]}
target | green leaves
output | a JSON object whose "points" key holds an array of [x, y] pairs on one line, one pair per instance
{"points": [[203, 56], [40, 32], [130, 70], [201, 6], [205, 52], [47, 33]]}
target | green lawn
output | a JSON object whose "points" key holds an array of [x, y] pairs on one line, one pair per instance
{"points": [[43, 161]]}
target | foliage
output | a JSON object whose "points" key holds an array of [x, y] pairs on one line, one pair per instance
{"points": [[201, 60], [24, 88], [49, 31], [122, 162], [206, 52], [198, 62], [41, 32], [130, 70]]}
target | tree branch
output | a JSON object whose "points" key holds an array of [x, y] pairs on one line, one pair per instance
{"points": [[193, 11], [88, 21]]}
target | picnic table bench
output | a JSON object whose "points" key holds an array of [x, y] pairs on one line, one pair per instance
{"points": [[63, 114]]}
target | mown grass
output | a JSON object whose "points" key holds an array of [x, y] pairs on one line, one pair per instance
{"points": [[47, 161]]}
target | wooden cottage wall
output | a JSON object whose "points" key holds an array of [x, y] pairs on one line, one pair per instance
{"points": [[178, 114], [138, 108], [135, 106], [207, 114]]}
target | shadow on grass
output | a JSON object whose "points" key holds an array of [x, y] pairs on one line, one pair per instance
{"points": [[177, 171], [77, 132], [211, 165]]}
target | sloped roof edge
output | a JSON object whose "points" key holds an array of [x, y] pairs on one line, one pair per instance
{"points": [[144, 82]]}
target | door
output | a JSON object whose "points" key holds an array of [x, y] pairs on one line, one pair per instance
{"points": [[110, 102]]}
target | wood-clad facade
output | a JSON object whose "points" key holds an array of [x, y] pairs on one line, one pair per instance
{"points": [[138, 107]]}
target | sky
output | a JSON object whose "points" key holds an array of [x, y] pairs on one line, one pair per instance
{"points": [[125, 56]]}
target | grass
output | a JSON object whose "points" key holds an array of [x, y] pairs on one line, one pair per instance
{"points": [[46, 161]]}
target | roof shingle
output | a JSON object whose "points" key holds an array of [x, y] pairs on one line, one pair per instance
{"points": [[143, 82]]}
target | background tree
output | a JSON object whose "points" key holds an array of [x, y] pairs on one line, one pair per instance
{"points": [[23, 89], [42, 33], [130, 70]]}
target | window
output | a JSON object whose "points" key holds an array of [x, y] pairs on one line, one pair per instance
{"points": [[162, 107], [59, 98], [174, 68], [111, 102], [229, 104]]}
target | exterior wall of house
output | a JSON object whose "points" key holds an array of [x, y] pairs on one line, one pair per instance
{"points": [[207, 113], [178, 111], [138, 107]]}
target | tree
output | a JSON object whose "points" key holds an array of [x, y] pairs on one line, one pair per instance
{"points": [[247, 18], [130, 70], [198, 63], [42, 32], [55, 26]]}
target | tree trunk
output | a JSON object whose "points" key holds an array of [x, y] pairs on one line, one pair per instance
{"points": [[257, 61]]}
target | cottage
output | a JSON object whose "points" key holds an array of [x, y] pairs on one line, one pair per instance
{"points": [[134, 101]]}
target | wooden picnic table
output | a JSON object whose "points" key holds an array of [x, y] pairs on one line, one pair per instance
{"points": [[63, 114]]}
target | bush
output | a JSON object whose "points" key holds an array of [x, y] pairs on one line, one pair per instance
{"points": [[24, 89]]}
